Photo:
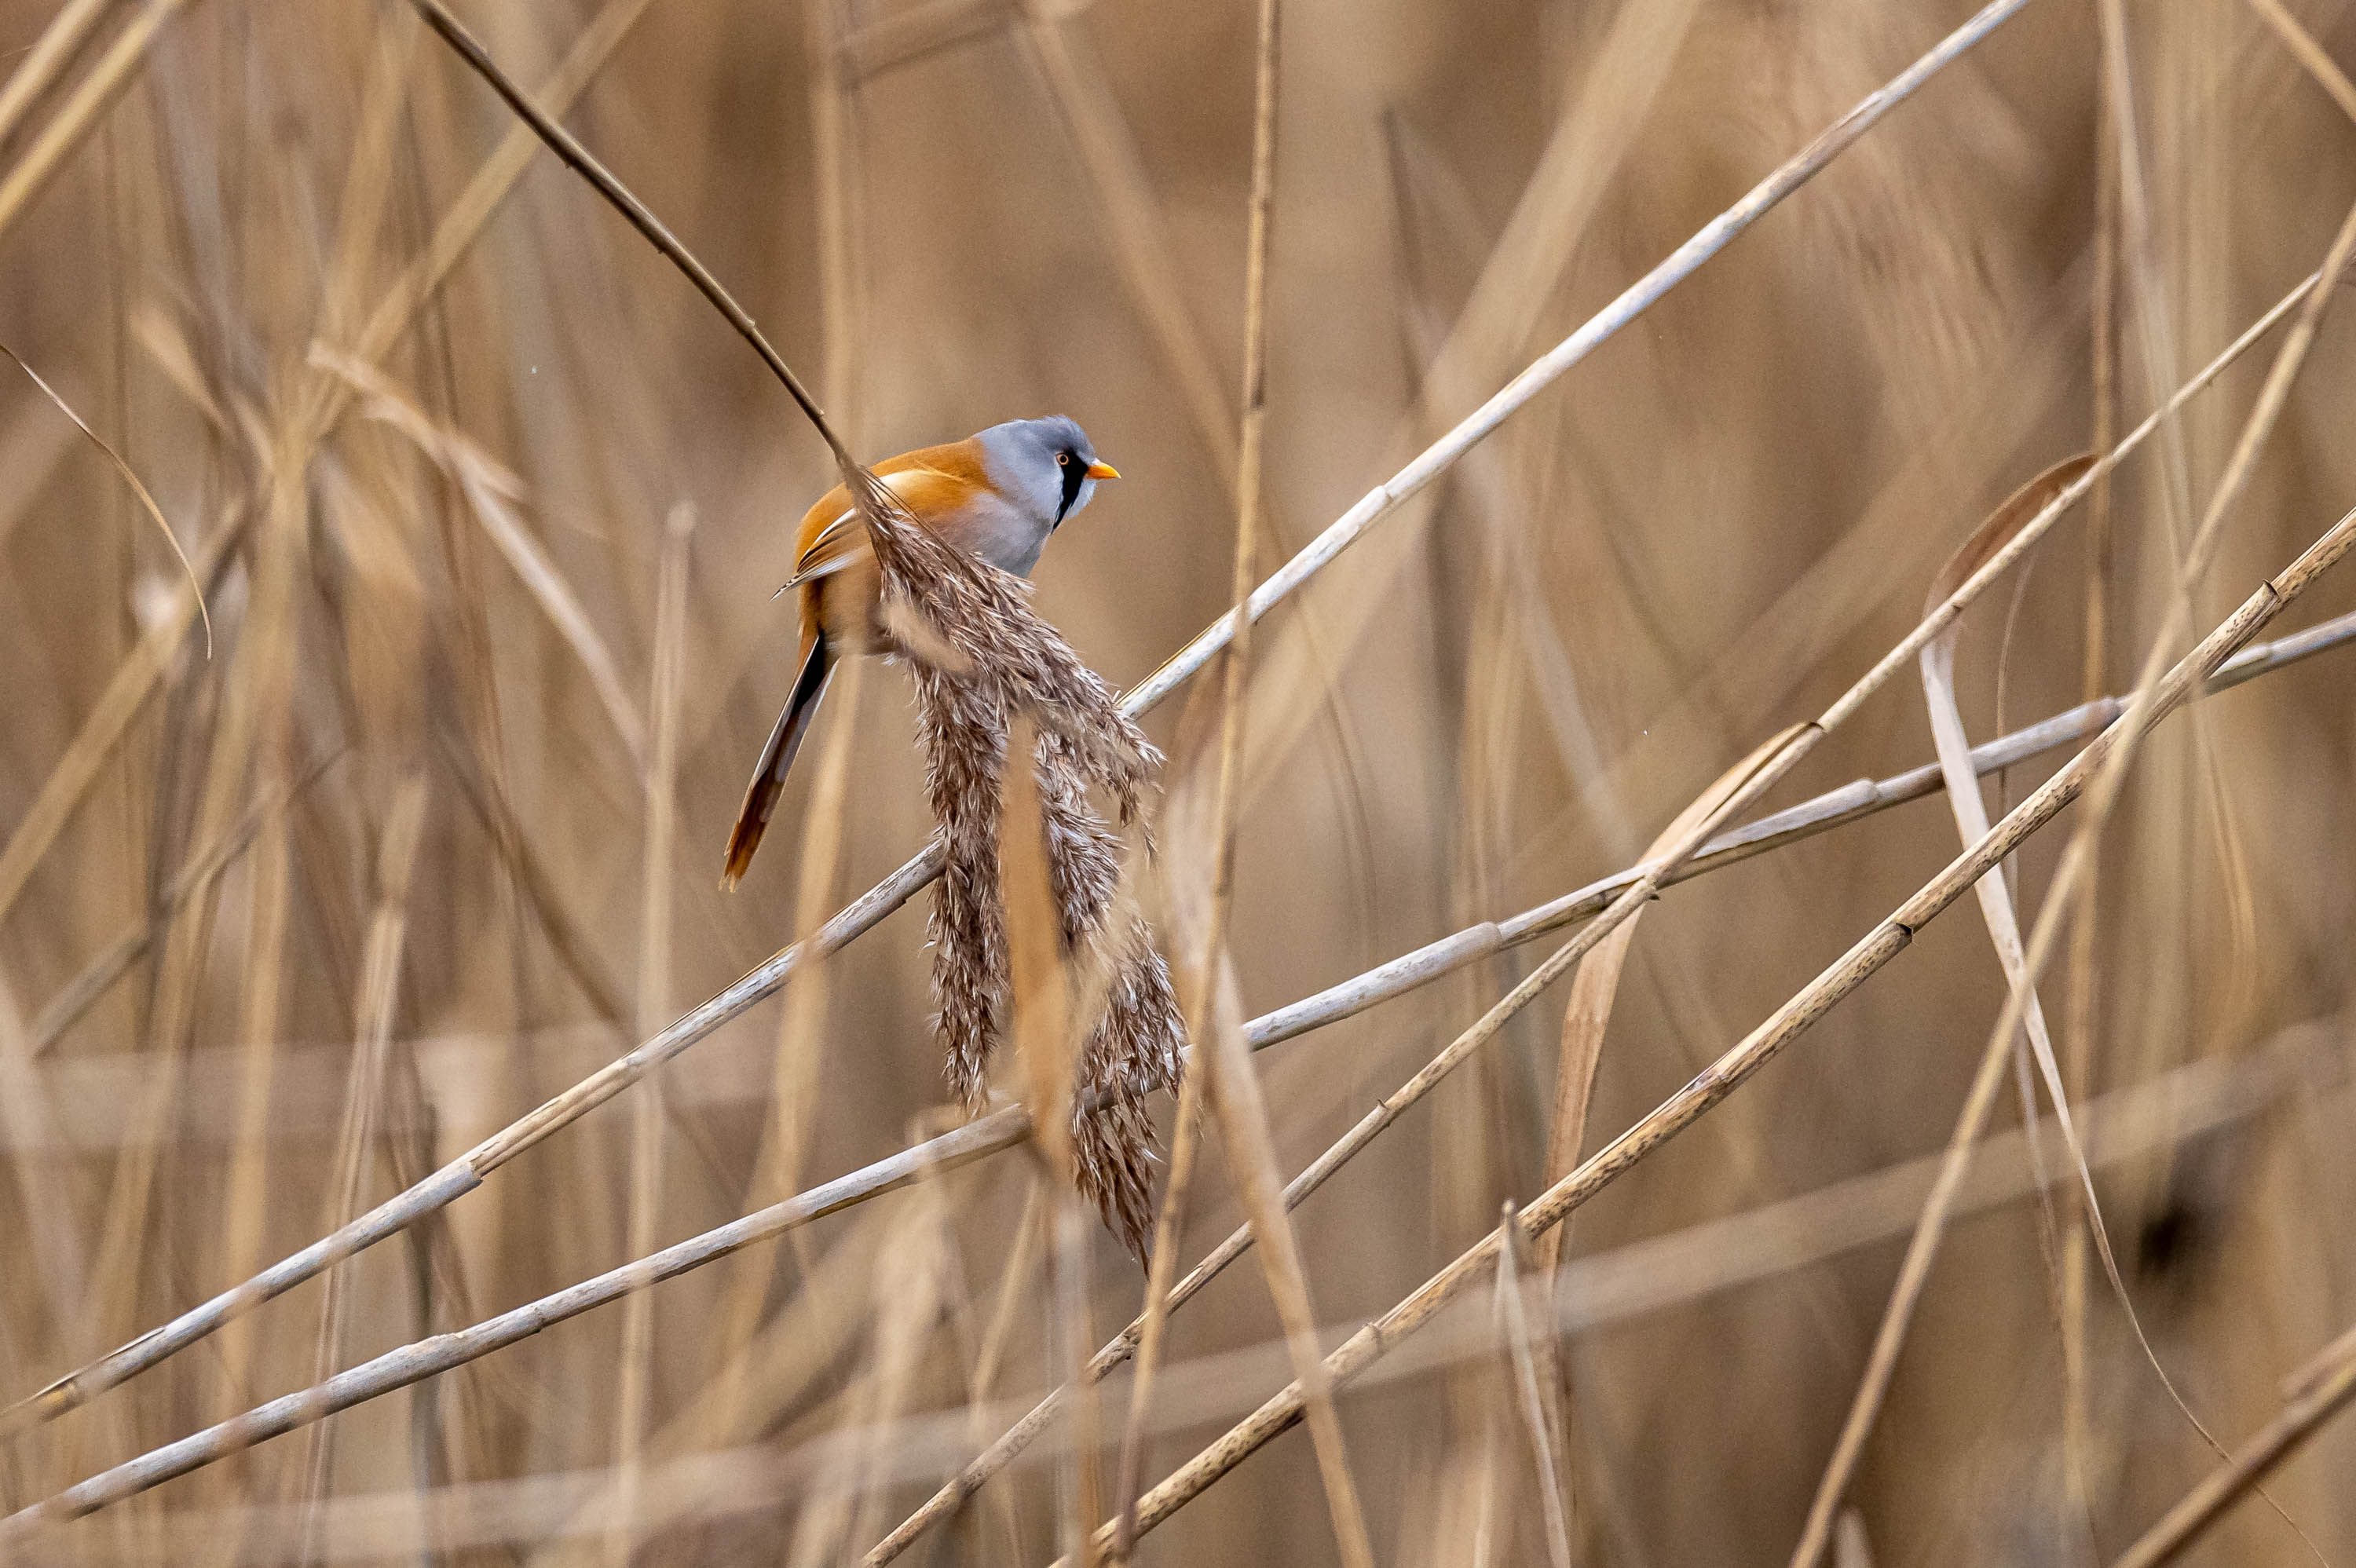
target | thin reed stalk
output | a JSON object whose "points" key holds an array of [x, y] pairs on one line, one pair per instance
{"points": [[1216, 1051], [1620, 1287], [2312, 1395], [461, 1176], [1789, 1021], [2068, 881], [1005, 1129], [656, 938], [113, 73], [1448, 955], [46, 61]]}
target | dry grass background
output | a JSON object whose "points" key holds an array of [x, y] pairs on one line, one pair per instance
{"points": [[433, 832]]}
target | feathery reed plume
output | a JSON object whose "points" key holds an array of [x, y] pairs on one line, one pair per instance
{"points": [[980, 657]]}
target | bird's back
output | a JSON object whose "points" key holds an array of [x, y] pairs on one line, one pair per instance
{"points": [[948, 490]]}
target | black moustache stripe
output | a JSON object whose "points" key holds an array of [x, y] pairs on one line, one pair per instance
{"points": [[1076, 473]]}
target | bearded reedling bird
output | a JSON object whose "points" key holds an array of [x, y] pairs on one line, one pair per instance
{"points": [[996, 496]]}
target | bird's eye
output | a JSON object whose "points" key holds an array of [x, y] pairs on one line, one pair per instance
{"points": [[1064, 457]]}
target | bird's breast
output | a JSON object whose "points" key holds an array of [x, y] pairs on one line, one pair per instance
{"points": [[986, 526]]}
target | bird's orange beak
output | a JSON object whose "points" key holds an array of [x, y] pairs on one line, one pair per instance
{"points": [[1103, 471]]}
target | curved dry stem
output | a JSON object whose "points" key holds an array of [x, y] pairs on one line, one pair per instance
{"points": [[1851, 802], [1008, 1128], [1789, 1021], [462, 1175], [2313, 1396], [130, 477]]}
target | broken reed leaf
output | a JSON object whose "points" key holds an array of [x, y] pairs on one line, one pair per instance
{"points": [[1593, 987], [1038, 999], [982, 661], [2018, 510], [196, 585]]}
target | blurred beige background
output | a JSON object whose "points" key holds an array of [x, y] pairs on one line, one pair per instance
{"points": [[955, 212]]}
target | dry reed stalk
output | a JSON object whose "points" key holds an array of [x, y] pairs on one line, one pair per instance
{"points": [[1514, 1265], [910, 1298], [134, 680], [357, 1137], [467, 1172], [2117, 757], [840, 212], [1013, 1281], [368, 174], [578, 158], [1777, 1237], [1639, 1278], [2311, 1396], [130, 477], [53, 1238], [1451, 448], [2034, 1047], [1591, 139], [795, 1075], [1109, 153], [1061, 57], [257, 734], [2084, 981], [1004, 658], [905, 1293], [404, 1367], [810, 1335], [1251, 1159], [489, 189], [489, 489], [656, 939], [1451, 953], [251, 734], [48, 59], [1041, 1006], [574, 947], [2145, 229], [1161, 1271], [74, 999], [1849, 803], [1048, 1023], [2068, 882], [1079, 1486], [1773, 1239], [287, 454], [1880, 559], [1793, 1019], [1587, 1012], [1997, 912], [2310, 54], [1585, 1017], [2138, 252], [114, 71], [1615, 1287], [1717, 1260], [1209, 961], [126, 693]]}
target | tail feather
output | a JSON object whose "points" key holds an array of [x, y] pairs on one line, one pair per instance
{"points": [[777, 758]]}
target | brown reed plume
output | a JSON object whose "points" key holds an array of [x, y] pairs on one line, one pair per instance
{"points": [[980, 657]]}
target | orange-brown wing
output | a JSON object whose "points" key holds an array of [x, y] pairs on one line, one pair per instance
{"points": [[831, 536]]}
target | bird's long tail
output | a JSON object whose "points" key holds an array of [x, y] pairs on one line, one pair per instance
{"points": [[777, 758]]}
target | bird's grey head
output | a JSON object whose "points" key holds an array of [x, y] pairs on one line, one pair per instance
{"points": [[1046, 467]]}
